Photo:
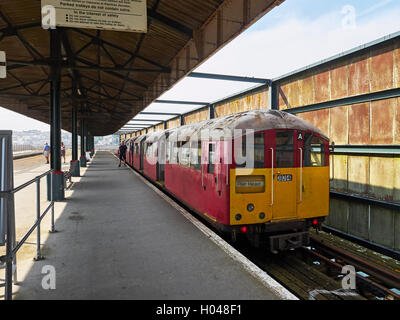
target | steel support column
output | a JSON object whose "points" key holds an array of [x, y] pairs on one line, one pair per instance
{"points": [[83, 142], [55, 116], [75, 168], [211, 109], [273, 96]]}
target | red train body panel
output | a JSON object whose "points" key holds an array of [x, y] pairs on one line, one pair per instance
{"points": [[208, 189]]}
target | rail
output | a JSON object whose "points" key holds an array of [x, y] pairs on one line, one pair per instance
{"points": [[11, 248]]}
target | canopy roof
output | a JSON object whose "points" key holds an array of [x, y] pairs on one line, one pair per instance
{"points": [[110, 75]]}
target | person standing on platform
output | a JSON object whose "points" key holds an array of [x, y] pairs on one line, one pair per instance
{"points": [[46, 152], [122, 153], [63, 150]]}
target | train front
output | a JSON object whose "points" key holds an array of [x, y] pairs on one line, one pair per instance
{"points": [[281, 189]]}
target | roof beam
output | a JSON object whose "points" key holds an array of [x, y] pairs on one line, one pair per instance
{"points": [[117, 47], [117, 75], [161, 113], [146, 120], [227, 77], [196, 103]]}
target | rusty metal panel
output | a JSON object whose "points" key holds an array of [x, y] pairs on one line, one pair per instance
{"points": [[339, 82], [340, 173], [173, 123], [197, 116], [382, 66], [255, 101], [339, 125], [358, 174], [397, 121], [307, 91], [283, 100], [381, 178], [320, 119], [322, 86], [289, 95], [382, 121], [397, 67], [359, 76], [359, 131]]}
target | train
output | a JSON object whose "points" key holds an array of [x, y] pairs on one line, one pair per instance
{"points": [[262, 174]]}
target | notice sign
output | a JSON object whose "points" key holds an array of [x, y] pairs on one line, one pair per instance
{"points": [[117, 15]]}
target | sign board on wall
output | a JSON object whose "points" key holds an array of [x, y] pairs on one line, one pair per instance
{"points": [[117, 15]]}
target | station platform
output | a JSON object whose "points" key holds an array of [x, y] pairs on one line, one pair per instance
{"points": [[118, 239]]}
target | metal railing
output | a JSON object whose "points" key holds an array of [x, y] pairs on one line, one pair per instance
{"points": [[25, 147], [12, 247]]}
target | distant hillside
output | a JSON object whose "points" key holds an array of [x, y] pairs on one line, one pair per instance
{"points": [[39, 138]]}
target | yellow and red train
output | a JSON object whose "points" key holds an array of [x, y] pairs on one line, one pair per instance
{"points": [[262, 174]]}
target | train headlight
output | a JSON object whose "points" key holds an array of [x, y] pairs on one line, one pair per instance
{"points": [[250, 184], [238, 217], [262, 215], [250, 207]]}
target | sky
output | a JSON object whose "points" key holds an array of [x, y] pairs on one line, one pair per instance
{"points": [[291, 36]]}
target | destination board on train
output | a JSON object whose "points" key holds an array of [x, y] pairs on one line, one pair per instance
{"points": [[117, 15]]}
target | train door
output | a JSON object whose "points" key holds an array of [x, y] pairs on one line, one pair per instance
{"points": [[209, 177], [141, 154], [284, 204], [161, 158], [313, 196], [131, 153]]}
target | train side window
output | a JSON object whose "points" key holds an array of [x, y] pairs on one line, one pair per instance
{"points": [[314, 151], [211, 158], [167, 152], [149, 150], [195, 155], [174, 153], [284, 149], [184, 154]]}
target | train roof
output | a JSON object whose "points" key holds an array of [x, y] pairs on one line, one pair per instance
{"points": [[232, 126]]}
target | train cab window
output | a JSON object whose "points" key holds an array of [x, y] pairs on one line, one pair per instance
{"points": [[258, 152], [211, 158], [314, 151], [284, 149], [195, 155]]}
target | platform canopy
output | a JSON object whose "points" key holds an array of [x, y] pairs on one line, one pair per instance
{"points": [[113, 75]]}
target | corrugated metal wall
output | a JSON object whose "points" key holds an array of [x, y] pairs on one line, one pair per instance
{"points": [[255, 101], [371, 123]]}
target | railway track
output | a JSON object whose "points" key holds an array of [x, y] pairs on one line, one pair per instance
{"points": [[315, 272]]}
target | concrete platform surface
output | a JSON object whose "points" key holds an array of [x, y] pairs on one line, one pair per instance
{"points": [[118, 239]]}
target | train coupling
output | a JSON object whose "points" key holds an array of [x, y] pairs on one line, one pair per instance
{"points": [[283, 242]]}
